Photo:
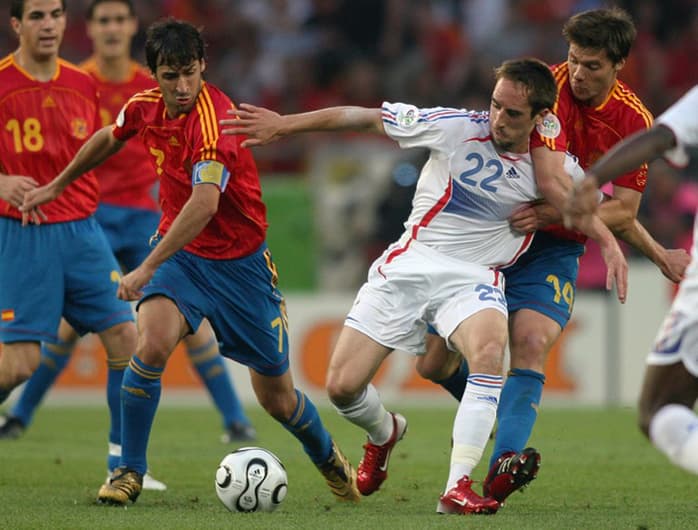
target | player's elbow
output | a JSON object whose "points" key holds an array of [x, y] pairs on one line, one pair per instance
{"points": [[623, 222]]}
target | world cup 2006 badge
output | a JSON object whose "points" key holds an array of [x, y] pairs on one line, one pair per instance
{"points": [[407, 117], [549, 127]]}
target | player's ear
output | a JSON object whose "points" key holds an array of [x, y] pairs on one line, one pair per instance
{"points": [[16, 25], [541, 115], [619, 65], [203, 65]]}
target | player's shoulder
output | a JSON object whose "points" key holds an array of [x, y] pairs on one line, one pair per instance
{"points": [[629, 104], [146, 98], [213, 98], [74, 74]]}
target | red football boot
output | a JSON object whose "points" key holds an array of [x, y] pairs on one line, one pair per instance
{"points": [[462, 500], [373, 468], [511, 472]]}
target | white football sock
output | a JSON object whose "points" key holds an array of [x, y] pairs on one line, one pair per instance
{"points": [[674, 431], [369, 413], [473, 424]]}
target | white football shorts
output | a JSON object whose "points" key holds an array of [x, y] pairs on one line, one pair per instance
{"points": [[677, 340], [411, 285]]}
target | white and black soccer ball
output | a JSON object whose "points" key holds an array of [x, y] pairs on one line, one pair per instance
{"points": [[251, 479]]}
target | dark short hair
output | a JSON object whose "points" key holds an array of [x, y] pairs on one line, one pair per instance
{"points": [[93, 5], [17, 8], [174, 43], [612, 30], [536, 76]]}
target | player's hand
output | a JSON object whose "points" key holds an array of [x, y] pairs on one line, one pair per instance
{"points": [[616, 268], [524, 219], [582, 202], [33, 199], [674, 264], [260, 125], [13, 190], [130, 285]]}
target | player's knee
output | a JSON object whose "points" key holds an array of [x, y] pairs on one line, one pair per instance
{"points": [[340, 389], [487, 357], [439, 362], [529, 350], [19, 362], [153, 350]]}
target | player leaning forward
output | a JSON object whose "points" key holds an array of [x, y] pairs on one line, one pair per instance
{"points": [[444, 269], [211, 261]]}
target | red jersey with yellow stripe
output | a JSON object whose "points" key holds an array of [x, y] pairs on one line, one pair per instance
{"points": [[589, 132], [43, 126], [126, 179], [176, 146]]}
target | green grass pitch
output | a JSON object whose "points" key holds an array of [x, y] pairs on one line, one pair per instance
{"points": [[597, 472]]}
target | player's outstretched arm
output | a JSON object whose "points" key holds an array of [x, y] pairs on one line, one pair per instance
{"points": [[262, 126], [637, 149], [96, 150]]}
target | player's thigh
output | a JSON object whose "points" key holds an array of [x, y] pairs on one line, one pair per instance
{"points": [[91, 280], [482, 338], [665, 384], [31, 282], [18, 362], [438, 362]]}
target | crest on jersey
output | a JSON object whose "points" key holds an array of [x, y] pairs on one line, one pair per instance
{"points": [[78, 127], [550, 126], [407, 117]]}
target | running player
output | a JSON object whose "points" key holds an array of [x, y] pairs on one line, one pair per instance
{"points": [[594, 110], [211, 260], [444, 269], [128, 213]]}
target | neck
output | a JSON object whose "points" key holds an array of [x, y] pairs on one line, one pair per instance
{"points": [[114, 69], [42, 69]]}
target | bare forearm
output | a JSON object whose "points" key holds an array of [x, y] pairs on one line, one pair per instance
{"points": [[188, 224], [639, 148], [333, 119], [96, 150]]}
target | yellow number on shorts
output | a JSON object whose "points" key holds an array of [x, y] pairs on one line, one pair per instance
{"points": [[566, 293], [26, 135], [279, 323]]}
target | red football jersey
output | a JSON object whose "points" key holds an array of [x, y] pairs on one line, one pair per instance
{"points": [[176, 145], [588, 132], [43, 126], [127, 178]]}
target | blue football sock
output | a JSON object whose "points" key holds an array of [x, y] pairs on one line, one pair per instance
{"points": [[140, 395], [210, 366], [115, 376], [54, 359], [455, 383], [305, 424], [517, 412]]}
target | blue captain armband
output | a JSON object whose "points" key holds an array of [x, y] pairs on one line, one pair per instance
{"points": [[210, 172]]}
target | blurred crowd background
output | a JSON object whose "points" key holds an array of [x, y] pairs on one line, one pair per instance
{"points": [[298, 55]]}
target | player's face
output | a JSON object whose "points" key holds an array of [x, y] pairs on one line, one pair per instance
{"points": [[111, 29], [510, 116], [592, 74], [180, 86], [41, 28]]}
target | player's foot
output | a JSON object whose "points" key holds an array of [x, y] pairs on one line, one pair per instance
{"points": [[373, 468], [149, 482], [462, 500], [340, 476], [511, 471], [239, 432], [12, 428], [124, 485]]}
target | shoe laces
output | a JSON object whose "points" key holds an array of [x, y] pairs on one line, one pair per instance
{"points": [[375, 455]]}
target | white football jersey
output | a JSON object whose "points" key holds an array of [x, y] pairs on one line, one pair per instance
{"points": [[466, 190]]}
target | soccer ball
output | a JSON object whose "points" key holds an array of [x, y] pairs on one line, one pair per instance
{"points": [[251, 479]]}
